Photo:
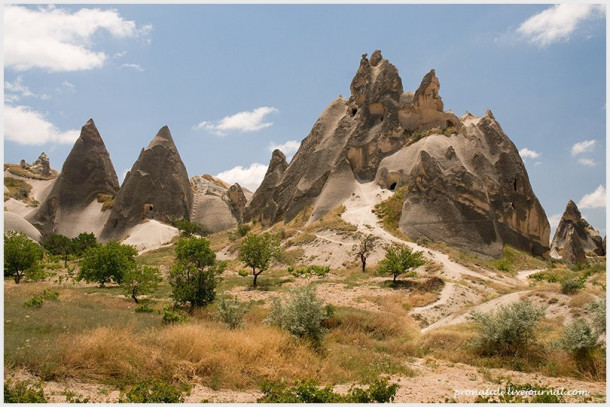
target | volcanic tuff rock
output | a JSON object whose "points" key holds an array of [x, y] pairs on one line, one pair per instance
{"points": [[263, 200], [157, 187], [464, 181], [41, 166], [86, 173], [216, 205], [572, 223], [573, 251]]}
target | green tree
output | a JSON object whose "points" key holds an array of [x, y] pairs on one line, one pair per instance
{"points": [[257, 251], [193, 276], [399, 260], [186, 228], [21, 255], [83, 242], [107, 263], [140, 280], [59, 245]]}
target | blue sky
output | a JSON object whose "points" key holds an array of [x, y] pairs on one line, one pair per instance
{"points": [[234, 81]]}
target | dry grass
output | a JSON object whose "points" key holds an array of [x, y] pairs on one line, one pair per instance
{"points": [[331, 221], [580, 300], [421, 300], [17, 169], [106, 200], [19, 190], [301, 239]]}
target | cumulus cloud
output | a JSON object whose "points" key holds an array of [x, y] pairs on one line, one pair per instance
{"points": [[135, 67], [596, 199], [527, 153], [558, 23], [588, 162], [26, 126], [247, 121], [57, 39], [583, 147], [288, 148], [250, 177], [17, 90]]}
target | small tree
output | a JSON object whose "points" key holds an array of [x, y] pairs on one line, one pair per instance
{"points": [[59, 245], [366, 246], [107, 263], [193, 277], [140, 280], [579, 338], [257, 251], [21, 255], [82, 242], [399, 260]]}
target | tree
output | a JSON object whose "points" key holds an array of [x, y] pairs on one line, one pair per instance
{"points": [[398, 260], [257, 251], [83, 242], [107, 263], [193, 277], [186, 228], [21, 255], [59, 245], [366, 246], [140, 280]]}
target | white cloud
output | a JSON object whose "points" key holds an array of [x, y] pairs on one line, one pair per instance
{"points": [[558, 23], [26, 126], [554, 220], [15, 91], [588, 162], [243, 121], [133, 66], [250, 177], [288, 148], [57, 39], [583, 147], [527, 153], [596, 199]]}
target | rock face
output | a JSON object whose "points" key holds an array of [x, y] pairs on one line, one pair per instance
{"points": [[42, 165], [86, 173], [263, 203], [463, 180], [217, 206], [573, 251], [573, 226], [157, 187]]}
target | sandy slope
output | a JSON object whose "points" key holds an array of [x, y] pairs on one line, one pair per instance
{"points": [[150, 235]]}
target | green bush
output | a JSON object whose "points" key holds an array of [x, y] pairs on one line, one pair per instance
{"points": [[153, 391], [50, 295], [186, 228], [144, 308], [309, 391], [301, 315], [23, 392], [509, 331], [231, 311], [579, 338], [598, 315], [173, 316], [309, 271], [570, 286], [107, 263], [34, 302]]}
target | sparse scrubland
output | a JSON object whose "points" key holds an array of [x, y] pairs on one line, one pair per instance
{"points": [[198, 330]]}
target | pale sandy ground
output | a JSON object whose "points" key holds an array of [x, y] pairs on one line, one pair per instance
{"points": [[150, 235]]}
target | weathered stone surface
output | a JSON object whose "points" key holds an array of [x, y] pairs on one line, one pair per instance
{"points": [[86, 173], [264, 195], [42, 165], [14, 222], [572, 222], [467, 186], [573, 251], [156, 187]]}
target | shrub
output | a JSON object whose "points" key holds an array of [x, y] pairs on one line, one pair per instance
{"points": [[144, 308], [231, 312], [23, 392], [21, 256], [72, 397], [598, 315], [390, 210], [153, 391], [34, 302], [570, 286], [50, 295], [302, 315], [186, 228], [173, 316], [257, 251], [309, 391], [579, 338], [399, 260], [510, 330], [309, 271], [107, 263]]}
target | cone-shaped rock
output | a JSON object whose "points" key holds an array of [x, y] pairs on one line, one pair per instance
{"points": [[72, 206], [157, 187], [464, 181], [573, 223], [262, 205]]}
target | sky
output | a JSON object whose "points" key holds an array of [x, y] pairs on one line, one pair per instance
{"points": [[233, 82]]}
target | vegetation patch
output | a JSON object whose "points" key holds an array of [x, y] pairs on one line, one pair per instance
{"points": [[332, 221], [17, 169], [106, 200], [18, 189], [390, 210]]}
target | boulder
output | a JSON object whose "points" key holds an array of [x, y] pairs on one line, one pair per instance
{"points": [[572, 222], [157, 187]]}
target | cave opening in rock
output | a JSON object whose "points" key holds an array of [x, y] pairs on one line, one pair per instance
{"points": [[354, 111], [393, 186]]}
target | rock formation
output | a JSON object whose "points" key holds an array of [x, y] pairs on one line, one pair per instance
{"points": [[464, 181], [157, 187], [263, 203], [572, 224], [573, 252], [216, 205], [71, 207]]}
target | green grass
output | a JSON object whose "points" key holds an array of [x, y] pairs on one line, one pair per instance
{"points": [[390, 210]]}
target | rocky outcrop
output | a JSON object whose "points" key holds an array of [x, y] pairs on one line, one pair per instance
{"points": [[573, 225], [572, 251], [262, 205], [14, 222], [464, 181], [156, 187], [217, 206], [86, 173]]}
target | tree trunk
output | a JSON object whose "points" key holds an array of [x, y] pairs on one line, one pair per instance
{"points": [[254, 281], [17, 277], [363, 260], [133, 294], [394, 281]]}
